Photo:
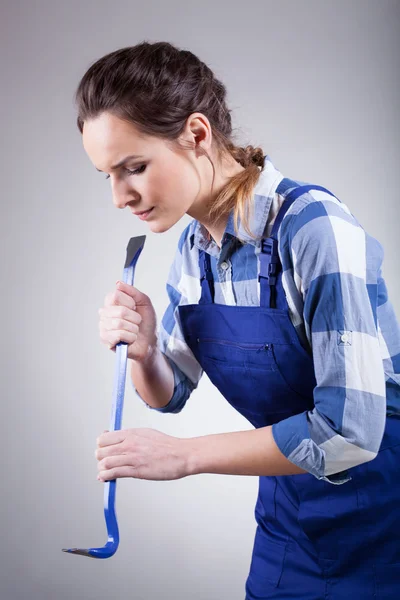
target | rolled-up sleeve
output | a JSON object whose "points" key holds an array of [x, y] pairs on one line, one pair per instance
{"points": [[186, 370], [336, 267], [183, 387]]}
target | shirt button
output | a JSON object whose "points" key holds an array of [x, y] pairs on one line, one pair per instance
{"points": [[344, 338], [224, 265]]}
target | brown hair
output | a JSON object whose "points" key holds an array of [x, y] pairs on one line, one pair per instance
{"points": [[157, 86]]}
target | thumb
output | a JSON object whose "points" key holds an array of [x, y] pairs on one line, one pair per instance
{"points": [[136, 294]]}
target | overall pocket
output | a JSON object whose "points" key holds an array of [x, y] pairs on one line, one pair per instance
{"points": [[329, 516], [266, 564], [387, 581], [379, 500]]}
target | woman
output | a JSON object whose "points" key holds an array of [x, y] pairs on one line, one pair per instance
{"points": [[276, 292]]}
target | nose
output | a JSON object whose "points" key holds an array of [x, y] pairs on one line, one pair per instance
{"points": [[119, 201], [123, 195]]}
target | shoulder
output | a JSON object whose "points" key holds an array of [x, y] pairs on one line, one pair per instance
{"points": [[319, 216], [319, 229]]}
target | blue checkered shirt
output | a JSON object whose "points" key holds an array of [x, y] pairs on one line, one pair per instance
{"points": [[339, 306]]}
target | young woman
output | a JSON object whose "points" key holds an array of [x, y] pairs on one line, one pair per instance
{"points": [[276, 292]]}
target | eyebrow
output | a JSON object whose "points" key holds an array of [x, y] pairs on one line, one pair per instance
{"points": [[123, 161]]}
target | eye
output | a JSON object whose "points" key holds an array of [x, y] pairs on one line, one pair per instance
{"points": [[134, 171]]}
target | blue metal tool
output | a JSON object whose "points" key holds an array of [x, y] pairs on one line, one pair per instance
{"points": [[134, 248]]}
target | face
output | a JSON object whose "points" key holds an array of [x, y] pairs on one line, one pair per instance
{"points": [[167, 181]]}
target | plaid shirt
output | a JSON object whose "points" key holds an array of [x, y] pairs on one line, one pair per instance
{"points": [[338, 304]]}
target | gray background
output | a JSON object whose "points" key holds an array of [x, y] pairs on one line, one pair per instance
{"points": [[316, 84]]}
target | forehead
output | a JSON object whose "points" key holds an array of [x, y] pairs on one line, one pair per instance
{"points": [[107, 139]]}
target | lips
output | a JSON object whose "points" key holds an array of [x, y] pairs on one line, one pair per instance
{"points": [[143, 215], [142, 212]]}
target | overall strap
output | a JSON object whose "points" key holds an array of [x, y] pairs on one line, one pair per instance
{"points": [[270, 264], [206, 278]]}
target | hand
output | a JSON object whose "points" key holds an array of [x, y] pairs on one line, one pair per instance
{"points": [[142, 454], [129, 316]]}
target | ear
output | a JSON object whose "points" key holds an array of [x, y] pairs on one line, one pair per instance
{"points": [[199, 130]]}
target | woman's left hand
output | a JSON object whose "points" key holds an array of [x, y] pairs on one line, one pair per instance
{"points": [[141, 453]]}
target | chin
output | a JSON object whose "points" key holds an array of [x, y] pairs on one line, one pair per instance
{"points": [[160, 226]]}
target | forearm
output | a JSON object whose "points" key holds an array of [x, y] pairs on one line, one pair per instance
{"points": [[252, 452], [153, 379]]}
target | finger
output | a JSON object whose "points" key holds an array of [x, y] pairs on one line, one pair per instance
{"points": [[118, 324], [120, 312], [111, 438], [112, 337], [111, 462], [122, 336], [117, 473], [107, 451]]}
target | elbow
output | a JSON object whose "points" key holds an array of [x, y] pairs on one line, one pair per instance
{"points": [[362, 457], [347, 457], [342, 453], [182, 393], [357, 444]]}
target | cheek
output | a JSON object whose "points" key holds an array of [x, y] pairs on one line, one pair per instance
{"points": [[184, 190], [173, 188], [181, 178]]}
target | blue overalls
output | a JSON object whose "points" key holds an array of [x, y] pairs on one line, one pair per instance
{"points": [[314, 540]]}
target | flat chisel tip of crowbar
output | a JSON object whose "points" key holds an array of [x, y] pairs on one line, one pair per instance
{"points": [[134, 245]]}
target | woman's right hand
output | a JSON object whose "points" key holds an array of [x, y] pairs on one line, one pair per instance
{"points": [[129, 316]]}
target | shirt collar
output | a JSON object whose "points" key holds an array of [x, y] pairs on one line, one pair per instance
{"points": [[263, 195]]}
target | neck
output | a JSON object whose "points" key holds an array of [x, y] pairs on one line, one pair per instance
{"points": [[200, 208], [216, 230]]}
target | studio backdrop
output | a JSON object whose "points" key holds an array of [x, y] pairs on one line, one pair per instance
{"points": [[316, 85]]}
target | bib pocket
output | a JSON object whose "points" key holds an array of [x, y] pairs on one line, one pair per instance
{"points": [[296, 369], [247, 375], [236, 354]]}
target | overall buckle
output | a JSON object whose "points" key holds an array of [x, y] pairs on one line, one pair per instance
{"points": [[269, 261]]}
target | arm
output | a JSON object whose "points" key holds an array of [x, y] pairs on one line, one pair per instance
{"points": [[153, 379], [166, 381], [336, 266], [252, 452]]}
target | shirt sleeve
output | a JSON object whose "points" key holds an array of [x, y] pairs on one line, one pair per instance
{"points": [[336, 268], [186, 370]]}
